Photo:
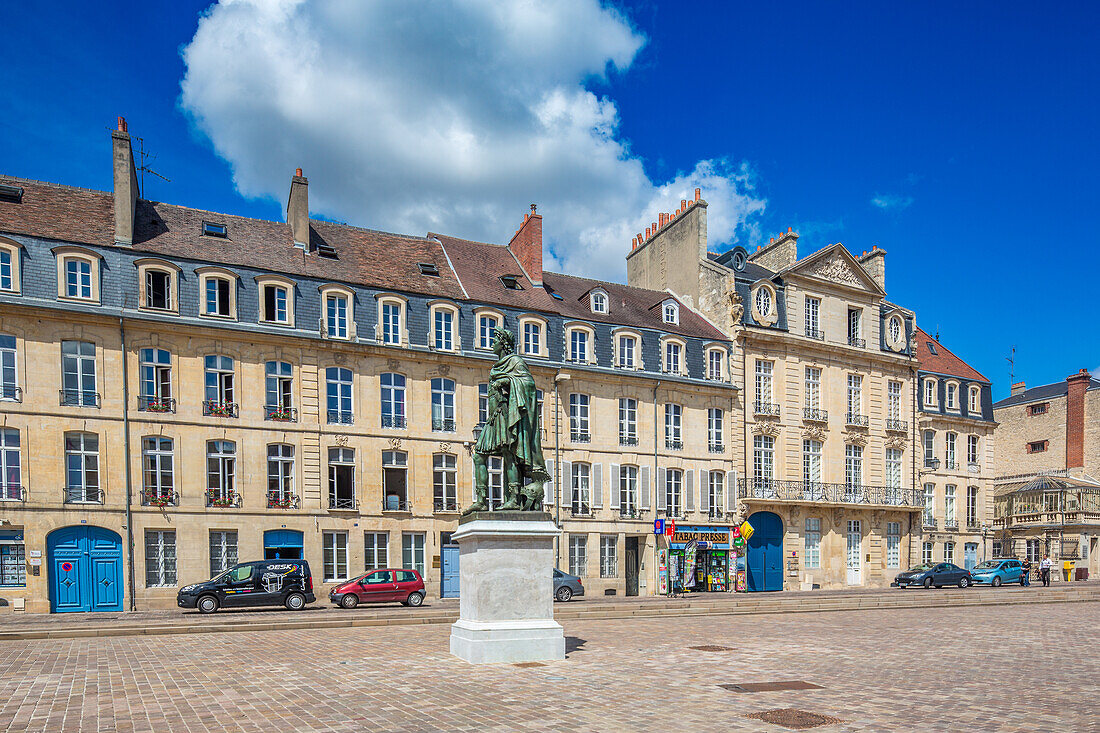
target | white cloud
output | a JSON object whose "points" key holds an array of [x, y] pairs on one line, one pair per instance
{"points": [[448, 116], [1095, 373], [891, 202]]}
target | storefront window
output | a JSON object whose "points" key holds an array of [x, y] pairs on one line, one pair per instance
{"points": [[13, 568]]}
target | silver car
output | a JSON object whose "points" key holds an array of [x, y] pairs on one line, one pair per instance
{"points": [[566, 586]]}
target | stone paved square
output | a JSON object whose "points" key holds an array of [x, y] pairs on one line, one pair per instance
{"points": [[1002, 668]]}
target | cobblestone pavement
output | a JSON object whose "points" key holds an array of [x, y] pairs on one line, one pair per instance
{"points": [[1032, 668]]}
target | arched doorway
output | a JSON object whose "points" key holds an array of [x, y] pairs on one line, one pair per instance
{"points": [[282, 544], [764, 559], [85, 567]]}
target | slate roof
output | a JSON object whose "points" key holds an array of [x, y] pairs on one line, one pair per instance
{"points": [[1042, 392], [943, 361]]}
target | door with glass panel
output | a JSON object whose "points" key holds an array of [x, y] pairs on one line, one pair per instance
{"points": [[855, 547]]}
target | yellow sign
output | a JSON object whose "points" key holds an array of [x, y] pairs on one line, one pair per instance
{"points": [[746, 529]]}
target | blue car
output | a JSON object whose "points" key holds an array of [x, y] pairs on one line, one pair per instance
{"points": [[998, 572]]}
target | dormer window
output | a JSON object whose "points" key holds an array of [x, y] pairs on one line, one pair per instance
{"points": [[217, 296], [210, 229], [511, 282], [975, 401], [11, 194], [428, 268], [929, 393], [599, 302], [671, 312], [337, 312], [764, 302], [77, 273], [9, 266], [78, 278]]}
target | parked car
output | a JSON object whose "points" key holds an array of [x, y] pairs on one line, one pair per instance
{"points": [[566, 586], [997, 572], [260, 583], [934, 574], [380, 586]]}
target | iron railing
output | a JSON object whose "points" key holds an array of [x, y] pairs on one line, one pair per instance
{"points": [[442, 425], [159, 497], [218, 408], [580, 510], [279, 413], [828, 493], [579, 436], [446, 505], [11, 393], [859, 421], [767, 409], [282, 500], [12, 492], [814, 414], [396, 504], [628, 440], [629, 513], [815, 333], [950, 524], [394, 421], [340, 417], [78, 398], [898, 426], [342, 502], [222, 499], [931, 523], [83, 495], [152, 403], [674, 444], [716, 447], [857, 342]]}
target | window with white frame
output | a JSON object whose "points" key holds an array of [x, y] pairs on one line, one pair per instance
{"points": [[949, 450], [628, 421], [893, 400], [609, 556], [952, 396], [811, 467], [929, 440], [813, 317], [487, 325], [219, 393], [532, 338], [159, 288], [926, 553], [949, 552], [715, 363], [157, 471], [855, 322], [578, 345], [763, 383], [578, 555], [280, 476], [674, 484], [930, 393], [338, 385], [893, 326], [443, 328], [376, 550], [626, 351], [221, 472], [445, 482], [975, 401], [972, 506], [763, 300], [578, 418], [335, 555], [337, 316], [972, 449], [443, 405], [11, 471], [929, 504], [813, 543], [9, 375], [78, 374], [950, 515], [763, 458], [392, 321], [279, 390], [393, 400], [674, 419], [628, 490], [395, 481], [813, 388], [855, 398], [893, 473], [10, 254], [155, 388], [341, 478], [412, 551], [1033, 550], [483, 403], [598, 301], [82, 468], [671, 313], [217, 298], [673, 356], [160, 558], [716, 438], [223, 550], [580, 501], [716, 480], [276, 303], [78, 277], [853, 472], [496, 483], [893, 544]]}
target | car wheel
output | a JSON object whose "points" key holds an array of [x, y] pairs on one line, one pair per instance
{"points": [[564, 593], [927, 583], [415, 599], [349, 601], [964, 582], [996, 581], [207, 604], [295, 602]]}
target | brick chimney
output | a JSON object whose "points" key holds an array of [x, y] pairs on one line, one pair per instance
{"points": [[126, 184], [1076, 384], [1018, 388], [779, 253], [526, 245], [297, 210], [874, 263]]}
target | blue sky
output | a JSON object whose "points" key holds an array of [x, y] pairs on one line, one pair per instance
{"points": [[961, 138]]}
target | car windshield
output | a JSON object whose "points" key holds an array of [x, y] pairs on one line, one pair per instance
{"points": [[987, 565], [920, 568]]}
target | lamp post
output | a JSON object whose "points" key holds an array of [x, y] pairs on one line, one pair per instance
{"points": [[558, 379]]}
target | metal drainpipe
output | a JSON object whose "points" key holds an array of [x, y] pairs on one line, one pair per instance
{"points": [[126, 458], [557, 467]]}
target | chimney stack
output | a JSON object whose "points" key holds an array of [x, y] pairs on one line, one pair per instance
{"points": [[526, 245], [1018, 388], [874, 263], [297, 210], [126, 184], [1076, 384]]}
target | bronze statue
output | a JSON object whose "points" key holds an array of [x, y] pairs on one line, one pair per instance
{"points": [[511, 432]]}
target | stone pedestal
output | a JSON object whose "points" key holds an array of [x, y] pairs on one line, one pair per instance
{"points": [[506, 589]]}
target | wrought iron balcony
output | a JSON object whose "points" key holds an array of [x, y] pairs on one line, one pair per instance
{"points": [[83, 495], [816, 491], [78, 398], [11, 393], [857, 342], [674, 444], [340, 417], [152, 403], [814, 414], [278, 413], [765, 409], [217, 408], [857, 421], [394, 421], [815, 333], [282, 500], [628, 440], [931, 523], [716, 447], [950, 524], [394, 503], [342, 502], [443, 425], [159, 497], [12, 492], [580, 510], [897, 426], [222, 499], [445, 505], [629, 513], [715, 513], [580, 436]]}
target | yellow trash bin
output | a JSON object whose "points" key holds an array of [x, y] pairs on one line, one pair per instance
{"points": [[1067, 570]]}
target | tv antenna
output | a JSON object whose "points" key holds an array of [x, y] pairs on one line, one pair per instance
{"points": [[1011, 359], [143, 168]]}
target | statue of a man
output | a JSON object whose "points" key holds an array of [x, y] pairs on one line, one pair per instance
{"points": [[511, 432]]}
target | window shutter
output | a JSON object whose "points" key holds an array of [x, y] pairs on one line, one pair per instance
{"points": [[643, 487], [731, 491], [689, 492], [704, 490], [613, 486], [566, 483], [597, 485], [548, 487], [659, 488]]}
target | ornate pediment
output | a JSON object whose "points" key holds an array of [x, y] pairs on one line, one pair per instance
{"points": [[836, 265]]}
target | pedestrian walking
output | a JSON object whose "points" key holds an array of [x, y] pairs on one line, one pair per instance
{"points": [[1044, 570], [1027, 571]]}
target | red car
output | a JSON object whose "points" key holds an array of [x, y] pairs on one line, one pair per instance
{"points": [[380, 586]]}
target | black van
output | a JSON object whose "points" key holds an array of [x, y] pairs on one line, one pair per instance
{"points": [[260, 583]]}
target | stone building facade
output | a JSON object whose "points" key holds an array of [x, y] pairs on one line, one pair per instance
{"points": [[183, 389]]}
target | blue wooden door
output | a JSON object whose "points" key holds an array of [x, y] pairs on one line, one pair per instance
{"points": [[764, 559], [85, 566], [282, 544], [449, 572]]}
